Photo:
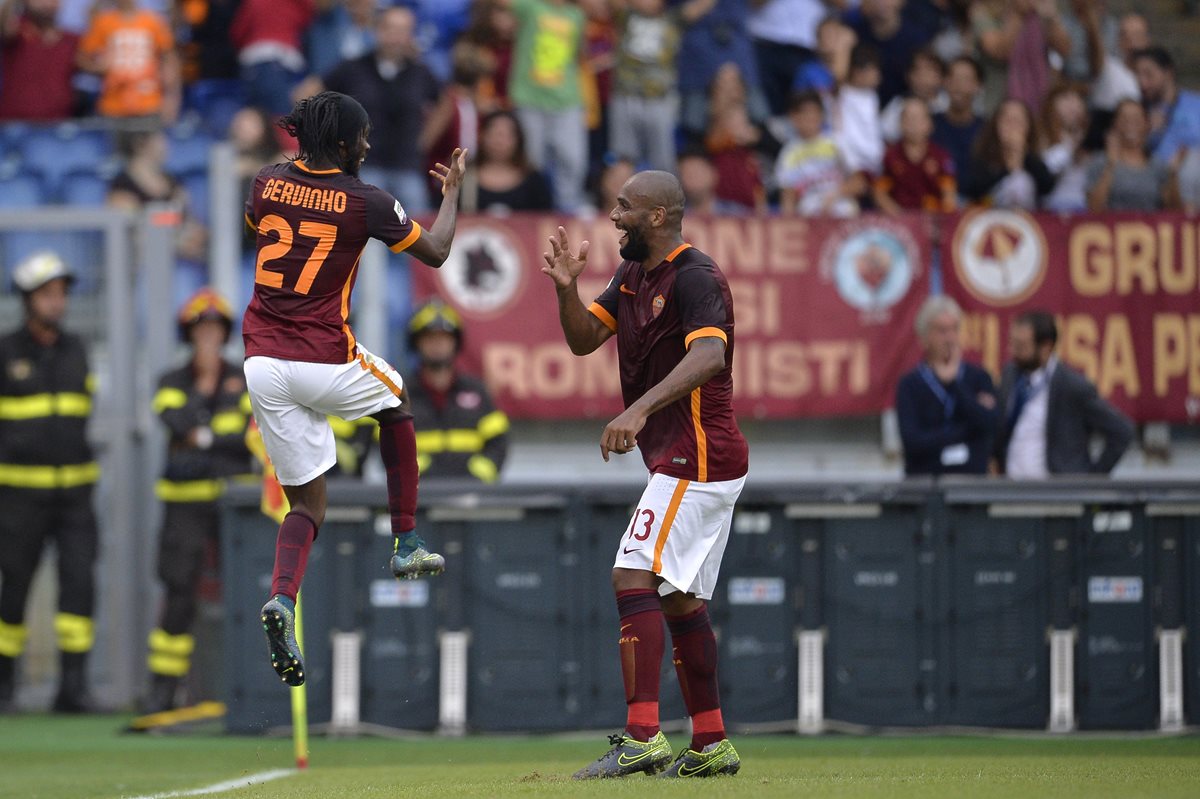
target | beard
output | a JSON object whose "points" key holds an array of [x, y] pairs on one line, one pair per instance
{"points": [[636, 247], [1027, 365]]}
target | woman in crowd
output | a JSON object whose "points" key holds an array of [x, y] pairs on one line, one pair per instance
{"points": [[504, 180], [145, 179], [1065, 122], [1006, 171], [1124, 177]]}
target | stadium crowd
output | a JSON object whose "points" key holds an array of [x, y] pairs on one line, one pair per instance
{"points": [[829, 107]]}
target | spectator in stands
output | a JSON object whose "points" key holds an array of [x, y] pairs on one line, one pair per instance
{"points": [[1116, 81], [830, 64], [1125, 178], [1015, 38], [37, 60], [615, 173], [732, 142], [269, 35], [134, 51], [955, 37], [784, 33], [946, 407], [493, 27], [342, 30], [1050, 412], [956, 128], [461, 433], [1065, 127], [924, 80], [917, 174], [1091, 33], [881, 24], [1174, 112], [544, 87], [504, 179], [1006, 170], [699, 177], [397, 90], [210, 69], [719, 38], [855, 116], [454, 120], [1189, 180], [144, 180], [252, 134], [645, 99], [809, 172]]}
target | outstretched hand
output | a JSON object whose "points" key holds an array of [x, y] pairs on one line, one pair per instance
{"points": [[451, 176], [563, 267]]}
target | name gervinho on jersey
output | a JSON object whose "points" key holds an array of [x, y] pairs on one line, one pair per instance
{"points": [[289, 193]]}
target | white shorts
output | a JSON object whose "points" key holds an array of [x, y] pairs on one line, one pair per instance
{"points": [[679, 532], [292, 398]]}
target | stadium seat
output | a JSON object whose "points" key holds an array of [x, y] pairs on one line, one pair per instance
{"points": [[22, 191], [187, 152], [84, 188], [54, 152]]}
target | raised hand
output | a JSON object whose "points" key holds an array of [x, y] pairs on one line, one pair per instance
{"points": [[451, 176], [563, 267]]}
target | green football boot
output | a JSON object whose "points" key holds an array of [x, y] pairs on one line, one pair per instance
{"points": [[628, 756], [714, 759], [412, 560], [279, 620]]}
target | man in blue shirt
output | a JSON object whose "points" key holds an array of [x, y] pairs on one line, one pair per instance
{"points": [[946, 408], [1174, 113]]}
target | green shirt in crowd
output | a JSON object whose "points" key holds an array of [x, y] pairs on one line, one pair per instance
{"points": [[545, 72]]}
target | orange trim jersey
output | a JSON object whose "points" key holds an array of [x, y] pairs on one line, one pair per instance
{"points": [[657, 315], [312, 226]]}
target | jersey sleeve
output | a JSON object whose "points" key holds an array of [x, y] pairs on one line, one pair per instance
{"points": [[389, 222], [604, 307], [701, 304]]}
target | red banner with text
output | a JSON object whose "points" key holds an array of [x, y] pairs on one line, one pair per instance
{"points": [[1125, 288], [824, 311]]}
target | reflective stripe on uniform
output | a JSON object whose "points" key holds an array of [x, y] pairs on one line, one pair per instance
{"points": [[188, 490], [168, 399], [17, 475], [75, 633], [245, 406], [483, 468], [170, 655], [423, 462], [459, 440], [12, 639], [228, 423], [492, 425], [35, 406]]}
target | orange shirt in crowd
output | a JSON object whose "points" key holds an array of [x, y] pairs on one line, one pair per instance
{"points": [[131, 47]]}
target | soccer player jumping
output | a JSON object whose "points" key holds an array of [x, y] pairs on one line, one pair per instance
{"points": [[671, 310], [313, 217]]}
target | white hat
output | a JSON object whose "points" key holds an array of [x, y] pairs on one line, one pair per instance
{"points": [[39, 269]]}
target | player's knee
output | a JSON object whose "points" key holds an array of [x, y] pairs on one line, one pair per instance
{"points": [[633, 580], [392, 416], [681, 604]]}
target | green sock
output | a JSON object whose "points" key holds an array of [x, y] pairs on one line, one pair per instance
{"points": [[407, 543]]}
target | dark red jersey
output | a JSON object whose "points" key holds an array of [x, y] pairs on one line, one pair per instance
{"points": [[312, 226], [656, 316]]}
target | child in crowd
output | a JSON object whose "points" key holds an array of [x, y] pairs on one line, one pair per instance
{"points": [[854, 117], [917, 174], [926, 73], [809, 172]]}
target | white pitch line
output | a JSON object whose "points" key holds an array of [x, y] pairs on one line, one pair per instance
{"points": [[228, 785]]}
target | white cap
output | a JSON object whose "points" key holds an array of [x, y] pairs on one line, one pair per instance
{"points": [[39, 269]]}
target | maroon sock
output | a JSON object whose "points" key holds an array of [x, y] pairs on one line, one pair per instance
{"points": [[296, 535], [695, 656], [641, 646], [398, 449]]}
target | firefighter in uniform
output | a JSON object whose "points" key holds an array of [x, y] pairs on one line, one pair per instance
{"points": [[205, 408], [47, 477], [460, 433]]}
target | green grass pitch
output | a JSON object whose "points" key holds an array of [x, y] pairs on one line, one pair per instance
{"points": [[45, 757]]}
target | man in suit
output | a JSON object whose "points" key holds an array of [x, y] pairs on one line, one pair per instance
{"points": [[1051, 411], [946, 407]]}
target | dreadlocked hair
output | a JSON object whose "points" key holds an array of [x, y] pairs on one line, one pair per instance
{"points": [[313, 123]]}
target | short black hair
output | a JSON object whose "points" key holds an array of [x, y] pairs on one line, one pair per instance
{"points": [[972, 62], [1045, 329], [802, 98], [1158, 54], [926, 54]]}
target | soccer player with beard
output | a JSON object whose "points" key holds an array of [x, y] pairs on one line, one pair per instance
{"points": [[313, 217], [671, 310]]}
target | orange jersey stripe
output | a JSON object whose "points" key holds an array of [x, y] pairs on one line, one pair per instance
{"points": [[705, 332], [350, 342], [408, 240], [668, 520], [604, 316], [375, 370], [675, 252], [701, 439]]}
